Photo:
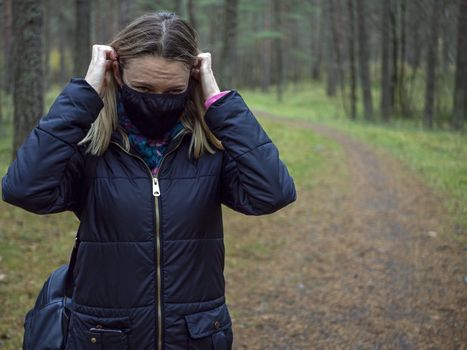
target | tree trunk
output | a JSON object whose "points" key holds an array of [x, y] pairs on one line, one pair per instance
{"points": [[353, 85], [2, 74], [82, 49], [414, 49], [278, 48], [106, 16], [7, 26], [431, 64], [63, 72], [47, 39], [385, 69], [336, 19], [292, 62], [395, 49], [228, 58], [336, 39], [447, 17], [331, 61], [178, 7], [402, 91], [364, 59], [124, 13], [192, 13], [3, 131], [266, 52], [460, 88], [416, 28], [28, 93], [215, 35], [317, 42]]}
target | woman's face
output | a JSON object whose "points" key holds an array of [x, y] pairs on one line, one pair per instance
{"points": [[154, 74]]}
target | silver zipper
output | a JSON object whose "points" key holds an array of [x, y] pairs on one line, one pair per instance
{"points": [[156, 193]]}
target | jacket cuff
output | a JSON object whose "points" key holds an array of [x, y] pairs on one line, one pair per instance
{"points": [[214, 98]]}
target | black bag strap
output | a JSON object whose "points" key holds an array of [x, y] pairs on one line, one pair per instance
{"points": [[90, 163]]}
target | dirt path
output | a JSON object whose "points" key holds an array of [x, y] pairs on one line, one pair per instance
{"points": [[357, 263]]}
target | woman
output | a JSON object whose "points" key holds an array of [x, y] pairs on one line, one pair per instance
{"points": [[149, 268]]}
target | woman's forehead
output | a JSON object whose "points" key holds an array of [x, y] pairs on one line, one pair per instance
{"points": [[156, 71]]}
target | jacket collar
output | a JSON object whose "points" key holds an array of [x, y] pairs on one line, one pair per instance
{"points": [[176, 139]]}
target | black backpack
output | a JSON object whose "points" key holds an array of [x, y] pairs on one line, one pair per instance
{"points": [[46, 324]]}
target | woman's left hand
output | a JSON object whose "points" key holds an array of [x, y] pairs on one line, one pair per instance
{"points": [[202, 71]]}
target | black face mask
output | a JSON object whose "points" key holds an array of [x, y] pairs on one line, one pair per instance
{"points": [[154, 114]]}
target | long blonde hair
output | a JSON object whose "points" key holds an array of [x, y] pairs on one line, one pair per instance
{"points": [[166, 35]]}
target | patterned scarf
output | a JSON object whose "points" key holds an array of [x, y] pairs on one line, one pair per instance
{"points": [[150, 149]]}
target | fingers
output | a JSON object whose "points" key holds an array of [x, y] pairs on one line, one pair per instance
{"points": [[102, 54], [202, 65], [203, 61], [102, 61], [104, 51], [202, 71]]}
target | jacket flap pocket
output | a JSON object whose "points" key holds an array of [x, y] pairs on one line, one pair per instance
{"points": [[111, 338], [204, 323], [97, 332], [109, 322]]}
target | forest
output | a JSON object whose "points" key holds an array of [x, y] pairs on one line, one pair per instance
{"points": [[366, 101], [382, 59]]}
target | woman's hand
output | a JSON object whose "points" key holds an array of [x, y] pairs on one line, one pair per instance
{"points": [[202, 71], [103, 59]]}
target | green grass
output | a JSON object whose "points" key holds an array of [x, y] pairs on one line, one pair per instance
{"points": [[303, 101], [440, 157], [318, 155]]}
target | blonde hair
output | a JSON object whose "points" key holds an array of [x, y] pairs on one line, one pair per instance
{"points": [[166, 35]]}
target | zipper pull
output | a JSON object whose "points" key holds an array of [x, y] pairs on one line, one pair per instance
{"points": [[156, 191]]}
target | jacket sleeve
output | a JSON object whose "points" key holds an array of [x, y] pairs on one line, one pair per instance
{"points": [[254, 180], [45, 175]]}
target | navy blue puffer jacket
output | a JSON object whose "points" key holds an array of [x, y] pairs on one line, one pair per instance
{"points": [[149, 268]]}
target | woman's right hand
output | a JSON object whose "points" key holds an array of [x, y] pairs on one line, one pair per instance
{"points": [[103, 59]]}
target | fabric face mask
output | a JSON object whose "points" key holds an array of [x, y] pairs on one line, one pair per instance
{"points": [[154, 114]]}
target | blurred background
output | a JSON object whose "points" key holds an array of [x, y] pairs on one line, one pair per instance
{"points": [[366, 101]]}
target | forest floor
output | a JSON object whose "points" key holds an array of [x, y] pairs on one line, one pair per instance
{"points": [[361, 261]]}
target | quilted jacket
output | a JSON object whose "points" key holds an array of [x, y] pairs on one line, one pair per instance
{"points": [[150, 262]]}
